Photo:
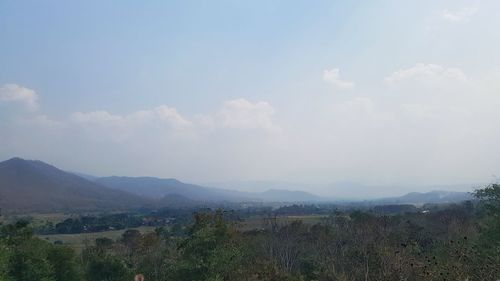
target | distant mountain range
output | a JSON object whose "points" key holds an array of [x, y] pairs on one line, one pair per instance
{"points": [[343, 190], [36, 186], [31, 185], [155, 188], [28, 185], [436, 196]]}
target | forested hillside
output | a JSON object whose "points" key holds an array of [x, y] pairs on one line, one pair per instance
{"points": [[459, 242], [27, 185]]}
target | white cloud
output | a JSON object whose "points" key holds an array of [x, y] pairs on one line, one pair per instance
{"points": [[427, 74], [100, 117], [45, 121], [332, 76], [162, 119], [20, 94], [234, 114], [102, 125], [242, 114], [411, 136], [171, 116], [162, 114], [461, 15]]}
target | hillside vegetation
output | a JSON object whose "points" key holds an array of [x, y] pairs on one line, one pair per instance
{"points": [[458, 242], [36, 186]]}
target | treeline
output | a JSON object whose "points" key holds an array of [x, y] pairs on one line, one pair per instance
{"points": [[25, 257], [84, 224], [178, 217], [172, 217], [118, 221], [460, 242]]}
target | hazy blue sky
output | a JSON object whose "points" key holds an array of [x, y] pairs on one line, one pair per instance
{"points": [[378, 92]]}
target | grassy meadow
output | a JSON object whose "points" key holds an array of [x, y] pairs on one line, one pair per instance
{"points": [[80, 240]]}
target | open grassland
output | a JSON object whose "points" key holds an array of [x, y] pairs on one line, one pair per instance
{"points": [[80, 240], [51, 217], [36, 217]]}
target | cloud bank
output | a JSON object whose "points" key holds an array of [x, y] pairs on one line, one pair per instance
{"points": [[19, 94], [332, 76], [429, 123]]}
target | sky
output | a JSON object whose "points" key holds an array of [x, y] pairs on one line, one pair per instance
{"points": [[310, 92]]}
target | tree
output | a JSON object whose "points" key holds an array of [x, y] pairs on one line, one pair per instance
{"points": [[26, 255], [4, 259], [490, 197], [106, 268], [64, 265], [208, 253]]}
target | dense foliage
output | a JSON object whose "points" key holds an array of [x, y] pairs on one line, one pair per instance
{"points": [[459, 242]]}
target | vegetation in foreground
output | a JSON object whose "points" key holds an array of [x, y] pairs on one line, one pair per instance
{"points": [[461, 242]]}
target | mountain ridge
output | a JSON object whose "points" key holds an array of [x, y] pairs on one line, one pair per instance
{"points": [[33, 185], [434, 196], [152, 187]]}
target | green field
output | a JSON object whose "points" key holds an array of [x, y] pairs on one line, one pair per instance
{"points": [[80, 240], [36, 217]]}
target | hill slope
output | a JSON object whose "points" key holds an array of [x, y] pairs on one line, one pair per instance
{"points": [[27, 185], [289, 196], [155, 188], [428, 197]]}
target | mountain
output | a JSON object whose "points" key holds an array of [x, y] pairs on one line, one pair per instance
{"points": [[436, 196], [288, 196], [85, 176], [155, 188], [344, 191], [260, 185], [27, 185], [178, 201]]}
